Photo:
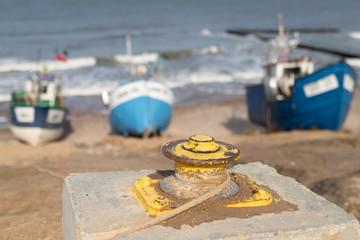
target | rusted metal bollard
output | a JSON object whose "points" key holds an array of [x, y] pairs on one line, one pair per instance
{"points": [[199, 166]]}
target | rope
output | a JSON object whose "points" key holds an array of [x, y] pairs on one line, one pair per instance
{"points": [[48, 171], [176, 211]]}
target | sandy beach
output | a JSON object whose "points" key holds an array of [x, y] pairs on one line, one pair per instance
{"points": [[31, 178]]}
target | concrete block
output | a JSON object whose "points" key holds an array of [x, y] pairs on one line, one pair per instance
{"points": [[95, 205]]}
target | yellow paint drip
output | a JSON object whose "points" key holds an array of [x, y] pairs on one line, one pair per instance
{"points": [[149, 198], [260, 197]]}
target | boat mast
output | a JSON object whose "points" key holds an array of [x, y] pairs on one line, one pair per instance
{"points": [[282, 40], [281, 28], [129, 54]]}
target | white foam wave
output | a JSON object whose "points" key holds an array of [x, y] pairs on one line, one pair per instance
{"points": [[5, 97], [181, 79], [205, 32], [178, 81], [51, 65], [211, 90], [137, 59], [213, 49], [355, 35], [88, 90], [249, 74], [209, 77], [12, 65], [91, 89], [184, 78]]}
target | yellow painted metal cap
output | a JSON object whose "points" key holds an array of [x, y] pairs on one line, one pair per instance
{"points": [[201, 150]]}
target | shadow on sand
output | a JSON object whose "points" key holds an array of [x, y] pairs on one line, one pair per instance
{"points": [[68, 129], [242, 126]]}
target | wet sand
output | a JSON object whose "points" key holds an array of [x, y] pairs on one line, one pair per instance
{"points": [[31, 178]]}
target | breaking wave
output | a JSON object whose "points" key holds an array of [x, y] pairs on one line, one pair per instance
{"points": [[50, 65]]}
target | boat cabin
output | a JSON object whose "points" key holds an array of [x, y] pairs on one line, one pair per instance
{"points": [[40, 90], [281, 76], [43, 89]]}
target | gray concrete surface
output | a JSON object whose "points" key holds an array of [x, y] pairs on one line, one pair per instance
{"points": [[96, 205]]}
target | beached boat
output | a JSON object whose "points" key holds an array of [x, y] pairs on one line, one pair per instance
{"points": [[140, 107], [38, 113], [293, 96]]}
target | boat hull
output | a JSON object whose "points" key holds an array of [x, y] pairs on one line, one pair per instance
{"points": [[140, 107], [36, 135], [37, 125], [319, 100]]}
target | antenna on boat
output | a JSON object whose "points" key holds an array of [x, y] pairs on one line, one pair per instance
{"points": [[38, 55], [281, 28], [282, 39], [38, 58], [160, 67], [283, 44], [129, 53]]}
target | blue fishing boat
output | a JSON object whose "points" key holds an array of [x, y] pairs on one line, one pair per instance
{"points": [[319, 100], [38, 113], [293, 96], [140, 107]]}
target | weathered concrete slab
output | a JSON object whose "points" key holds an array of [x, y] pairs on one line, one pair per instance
{"points": [[95, 205]]}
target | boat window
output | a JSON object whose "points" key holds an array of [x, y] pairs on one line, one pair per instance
{"points": [[268, 71], [295, 71], [43, 88]]}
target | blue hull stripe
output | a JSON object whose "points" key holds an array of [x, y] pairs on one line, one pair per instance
{"points": [[41, 115]]}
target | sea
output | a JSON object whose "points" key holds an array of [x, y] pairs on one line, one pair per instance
{"points": [[188, 39]]}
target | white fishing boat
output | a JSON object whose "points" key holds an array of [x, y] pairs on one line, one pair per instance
{"points": [[38, 114]]}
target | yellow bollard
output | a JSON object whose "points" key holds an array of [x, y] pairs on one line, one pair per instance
{"points": [[200, 165]]}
